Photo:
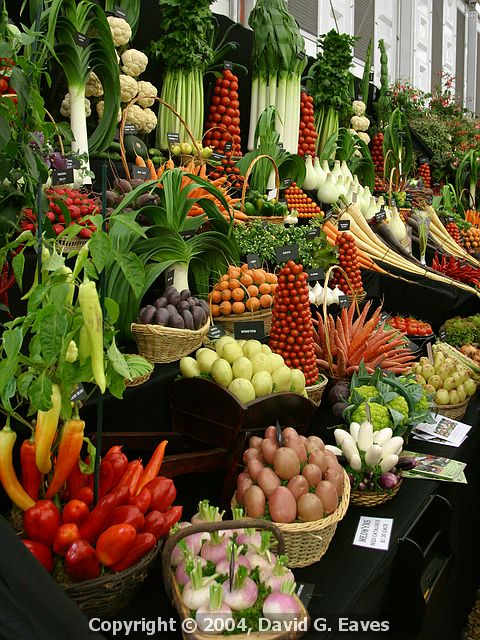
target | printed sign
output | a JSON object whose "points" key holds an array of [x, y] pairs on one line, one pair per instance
{"points": [[169, 278], [173, 138], [140, 173], [62, 177], [216, 332], [373, 533], [82, 39], [79, 394], [253, 261], [251, 330], [286, 253], [344, 225], [315, 275]]}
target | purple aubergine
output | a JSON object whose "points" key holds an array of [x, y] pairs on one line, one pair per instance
{"points": [[406, 463], [388, 480], [185, 294], [183, 305], [176, 322], [204, 305], [199, 317], [187, 318]]}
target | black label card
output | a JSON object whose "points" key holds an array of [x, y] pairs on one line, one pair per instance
{"points": [[287, 182], [280, 145], [82, 39], [385, 316], [343, 302], [313, 232], [301, 55], [315, 275], [130, 130], [140, 173], [72, 163], [186, 235], [251, 330], [442, 334], [253, 261], [216, 332], [79, 394], [173, 138], [344, 225], [62, 177], [329, 214], [381, 215], [217, 156], [286, 253], [450, 219], [305, 592], [119, 13], [412, 346], [228, 146], [169, 278], [227, 64]]}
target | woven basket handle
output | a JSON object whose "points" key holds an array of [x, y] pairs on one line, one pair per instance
{"points": [[208, 527], [249, 171]]}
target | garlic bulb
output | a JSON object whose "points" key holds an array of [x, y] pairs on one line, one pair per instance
{"points": [[318, 293], [311, 296], [311, 182], [336, 293]]}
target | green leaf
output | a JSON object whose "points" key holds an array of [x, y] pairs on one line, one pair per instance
{"points": [[24, 381], [40, 392], [115, 382], [118, 361], [18, 264], [5, 133], [113, 310], [53, 328], [100, 247], [133, 270], [92, 454], [12, 342], [58, 294]]}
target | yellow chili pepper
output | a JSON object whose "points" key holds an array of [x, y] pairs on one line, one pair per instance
{"points": [[93, 319], [45, 430], [8, 477]]}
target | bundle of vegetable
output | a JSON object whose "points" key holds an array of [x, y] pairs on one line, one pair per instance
{"points": [[377, 152], [242, 289], [229, 581], [455, 268], [473, 217], [373, 462], [296, 479], [247, 368], [177, 309], [307, 135], [359, 123], [329, 83], [425, 175], [278, 59], [291, 334], [471, 351], [460, 331], [347, 259], [184, 48], [398, 403], [84, 541], [410, 326], [223, 120], [344, 344], [445, 377], [300, 203]]}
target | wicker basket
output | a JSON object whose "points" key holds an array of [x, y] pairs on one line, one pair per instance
{"points": [[105, 596], [228, 322], [136, 382], [315, 391], [270, 219], [165, 344], [455, 411], [173, 591], [373, 498], [65, 246], [307, 542]]}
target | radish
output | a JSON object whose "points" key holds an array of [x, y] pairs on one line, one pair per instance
{"points": [[282, 605], [197, 593], [223, 567], [274, 578], [261, 556], [215, 617], [206, 513], [244, 591], [216, 549], [181, 575]]}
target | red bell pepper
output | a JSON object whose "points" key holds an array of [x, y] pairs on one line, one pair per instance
{"points": [[154, 524], [153, 466], [81, 562], [75, 481], [31, 476], [142, 500], [75, 511], [41, 552], [101, 514], [128, 514], [114, 543], [66, 535], [144, 542], [163, 493], [85, 494], [106, 478], [119, 464], [41, 522]]}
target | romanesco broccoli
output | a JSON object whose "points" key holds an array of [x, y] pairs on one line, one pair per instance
{"points": [[400, 404], [379, 415], [366, 391]]}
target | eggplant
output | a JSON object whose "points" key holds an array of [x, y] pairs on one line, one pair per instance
{"points": [[176, 321], [162, 317], [388, 480], [199, 317], [187, 319], [185, 294], [406, 463], [160, 303], [172, 310], [147, 314]]}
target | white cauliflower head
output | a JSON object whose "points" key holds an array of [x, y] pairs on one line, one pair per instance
{"points": [[93, 88], [363, 136], [101, 108], [128, 88], [146, 93], [149, 121], [65, 108], [134, 62], [121, 31], [144, 119]]}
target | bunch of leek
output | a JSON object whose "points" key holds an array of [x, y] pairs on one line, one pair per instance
{"points": [[65, 20], [468, 172], [278, 59], [397, 146]]}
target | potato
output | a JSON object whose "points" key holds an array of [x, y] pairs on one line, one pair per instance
{"points": [[147, 314], [312, 474], [320, 459], [327, 493], [282, 506], [255, 442], [293, 442], [268, 481], [254, 502], [314, 443], [185, 294], [309, 507], [243, 482], [160, 303], [298, 485], [290, 432], [250, 453], [271, 432], [176, 321], [286, 463], [254, 466], [336, 478], [187, 318], [268, 449], [199, 317]]}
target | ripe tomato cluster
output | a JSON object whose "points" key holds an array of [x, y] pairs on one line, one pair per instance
{"points": [[411, 326], [454, 231], [76, 204], [377, 152], [291, 334], [227, 167], [298, 201], [308, 134], [347, 251], [424, 173], [224, 113]]}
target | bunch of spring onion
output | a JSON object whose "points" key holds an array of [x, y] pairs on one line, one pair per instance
{"points": [[66, 19], [278, 59]]}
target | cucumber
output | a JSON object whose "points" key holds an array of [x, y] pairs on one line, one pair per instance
{"points": [[135, 147]]}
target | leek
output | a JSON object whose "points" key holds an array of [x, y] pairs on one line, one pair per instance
{"points": [[468, 172], [66, 19], [278, 59]]}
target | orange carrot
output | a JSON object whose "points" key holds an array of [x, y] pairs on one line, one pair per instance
{"points": [[139, 161], [169, 164], [160, 171], [151, 167]]}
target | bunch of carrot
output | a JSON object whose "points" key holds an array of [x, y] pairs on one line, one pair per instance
{"points": [[473, 217], [363, 259], [341, 344]]}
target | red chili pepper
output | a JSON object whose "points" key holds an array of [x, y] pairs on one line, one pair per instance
{"points": [[172, 516], [154, 523], [106, 478], [144, 542], [68, 454], [163, 493], [85, 494], [101, 514], [41, 552], [67, 534], [75, 481], [113, 450], [41, 522], [142, 501], [75, 511], [81, 562], [31, 476], [128, 514], [153, 466], [119, 464], [114, 543], [132, 476]]}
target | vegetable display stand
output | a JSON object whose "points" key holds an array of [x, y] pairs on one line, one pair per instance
{"points": [[315, 391], [229, 322], [270, 219], [373, 498], [105, 596], [454, 411], [307, 542], [173, 591], [166, 344]]}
